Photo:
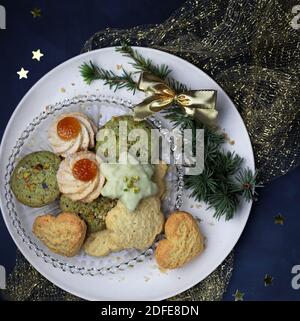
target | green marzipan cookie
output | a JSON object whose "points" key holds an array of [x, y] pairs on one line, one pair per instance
{"points": [[33, 181], [114, 125], [93, 213]]}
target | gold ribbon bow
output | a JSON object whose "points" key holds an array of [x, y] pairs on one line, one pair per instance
{"points": [[197, 103]]}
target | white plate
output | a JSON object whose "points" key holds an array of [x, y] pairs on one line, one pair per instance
{"points": [[144, 281]]}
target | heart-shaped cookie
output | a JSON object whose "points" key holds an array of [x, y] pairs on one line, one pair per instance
{"points": [[183, 242], [62, 234]]}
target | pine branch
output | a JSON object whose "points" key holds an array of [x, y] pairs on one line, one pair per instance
{"points": [[144, 64], [90, 72], [177, 86], [178, 118], [201, 186], [224, 202], [226, 163], [244, 184], [223, 183]]}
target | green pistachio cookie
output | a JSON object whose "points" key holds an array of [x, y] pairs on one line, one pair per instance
{"points": [[114, 125], [93, 213], [33, 181]]}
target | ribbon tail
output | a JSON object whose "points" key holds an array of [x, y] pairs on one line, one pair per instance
{"points": [[200, 104], [142, 111], [149, 106], [206, 116]]}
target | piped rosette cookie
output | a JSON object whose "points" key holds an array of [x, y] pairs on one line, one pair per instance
{"points": [[79, 177], [72, 132]]}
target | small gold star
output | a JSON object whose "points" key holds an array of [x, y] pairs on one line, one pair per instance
{"points": [[279, 219], [238, 296], [36, 12], [37, 55], [268, 280], [22, 73]]}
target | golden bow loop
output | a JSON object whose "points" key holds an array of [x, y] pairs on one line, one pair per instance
{"points": [[196, 103]]}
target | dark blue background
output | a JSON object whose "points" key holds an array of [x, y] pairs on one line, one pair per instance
{"points": [[60, 33]]}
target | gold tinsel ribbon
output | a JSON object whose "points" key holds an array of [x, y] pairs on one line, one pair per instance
{"points": [[26, 284], [200, 104]]}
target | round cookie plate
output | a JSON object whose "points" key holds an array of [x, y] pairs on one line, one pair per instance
{"points": [[129, 275]]}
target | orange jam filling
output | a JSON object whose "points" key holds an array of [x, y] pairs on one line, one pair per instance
{"points": [[68, 128], [85, 170]]}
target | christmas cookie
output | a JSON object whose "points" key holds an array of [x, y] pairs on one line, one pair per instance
{"points": [[125, 230], [128, 182], [115, 127], [160, 171], [72, 132], [93, 213], [183, 241], [62, 234], [34, 179], [79, 177]]}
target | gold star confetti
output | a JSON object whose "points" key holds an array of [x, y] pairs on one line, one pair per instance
{"points": [[279, 219], [238, 296], [37, 55], [36, 12], [22, 73], [268, 279]]}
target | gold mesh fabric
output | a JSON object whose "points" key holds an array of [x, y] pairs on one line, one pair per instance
{"points": [[251, 50], [27, 284]]}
